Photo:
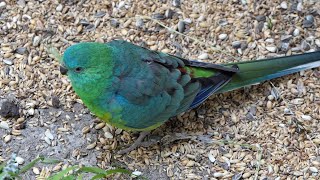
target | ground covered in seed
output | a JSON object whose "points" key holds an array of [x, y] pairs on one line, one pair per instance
{"points": [[267, 131]]}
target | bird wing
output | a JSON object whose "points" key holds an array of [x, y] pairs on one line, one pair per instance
{"points": [[173, 75]]}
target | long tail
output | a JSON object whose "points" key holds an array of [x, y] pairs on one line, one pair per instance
{"points": [[252, 72]]}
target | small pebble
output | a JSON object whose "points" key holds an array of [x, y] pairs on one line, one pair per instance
{"points": [[48, 134], [218, 174], [136, 173], [271, 48], [269, 40], [35, 170], [223, 36], [59, 8], [211, 158], [313, 169], [287, 111], [30, 111], [19, 160], [47, 140], [201, 18], [8, 61], [296, 32], [176, 3], [121, 4], [181, 26], [299, 6], [4, 125], [306, 117], [36, 41], [271, 97], [21, 3], [203, 56], [298, 101], [187, 21], [2, 4], [284, 5]]}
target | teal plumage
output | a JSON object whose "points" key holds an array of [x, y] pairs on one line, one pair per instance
{"points": [[134, 88]]}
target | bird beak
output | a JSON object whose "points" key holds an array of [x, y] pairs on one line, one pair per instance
{"points": [[63, 70]]}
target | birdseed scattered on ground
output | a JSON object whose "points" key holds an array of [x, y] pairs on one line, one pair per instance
{"points": [[266, 131]]}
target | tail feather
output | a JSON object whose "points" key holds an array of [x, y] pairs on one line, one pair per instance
{"points": [[252, 72], [219, 81]]}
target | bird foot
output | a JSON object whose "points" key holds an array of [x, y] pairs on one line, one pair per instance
{"points": [[136, 144]]}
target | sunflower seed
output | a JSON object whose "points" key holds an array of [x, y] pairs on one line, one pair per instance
{"points": [[100, 14]]}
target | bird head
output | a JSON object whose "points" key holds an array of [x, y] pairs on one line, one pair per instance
{"points": [[88, 66]]}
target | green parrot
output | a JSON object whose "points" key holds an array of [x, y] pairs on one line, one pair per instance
{"points": [[137, 89]]}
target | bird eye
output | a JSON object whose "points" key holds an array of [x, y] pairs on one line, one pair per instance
{"points": [[78, 69]]}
